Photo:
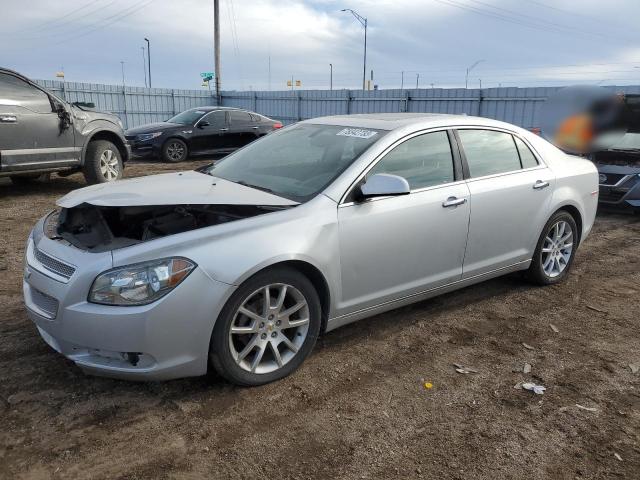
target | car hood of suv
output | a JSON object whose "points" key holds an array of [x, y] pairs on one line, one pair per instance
{"points": [[155, 127], [181, 188]]}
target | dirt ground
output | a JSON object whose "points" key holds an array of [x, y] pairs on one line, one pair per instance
{"points": [[358, 407]]}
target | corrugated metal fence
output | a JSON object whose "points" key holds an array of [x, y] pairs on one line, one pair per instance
{"points": [[138, 105], [134, 105]]}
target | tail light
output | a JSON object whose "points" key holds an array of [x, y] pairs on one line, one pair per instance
{"points": [[277, 125]]}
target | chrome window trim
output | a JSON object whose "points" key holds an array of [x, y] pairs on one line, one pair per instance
{"points": [[384, 153]]}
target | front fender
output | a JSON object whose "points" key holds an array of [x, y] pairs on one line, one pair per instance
{"points": [[95, 127]]}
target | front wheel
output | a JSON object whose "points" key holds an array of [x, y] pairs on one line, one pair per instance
{"points": [[174, 150], [267, 328], [555, 250], [103, 162]]}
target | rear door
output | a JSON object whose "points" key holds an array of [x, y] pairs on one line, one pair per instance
{"points": [[31, 133], [243, 128], [510, 191]]}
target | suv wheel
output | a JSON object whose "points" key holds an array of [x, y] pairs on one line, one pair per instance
{"points": [[103, 162], [267, 328], [555, 250], [174, 150]]}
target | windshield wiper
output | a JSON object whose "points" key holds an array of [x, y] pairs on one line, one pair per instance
{"points": [[257, 187]]}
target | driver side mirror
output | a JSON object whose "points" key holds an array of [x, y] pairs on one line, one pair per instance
{"points": [[384, 185], [203, 124]]}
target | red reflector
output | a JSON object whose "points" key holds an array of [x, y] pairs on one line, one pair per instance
{"points": [[277, 125]]}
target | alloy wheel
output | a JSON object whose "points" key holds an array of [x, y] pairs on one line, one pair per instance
{"points": [[269, 328], [175, 151], [109, 166], [557, 249]]}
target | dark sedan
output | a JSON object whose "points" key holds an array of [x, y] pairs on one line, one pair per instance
{"points": [[199, 130]]}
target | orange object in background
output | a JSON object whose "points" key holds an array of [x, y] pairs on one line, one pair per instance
{"points": [[575, 133]]}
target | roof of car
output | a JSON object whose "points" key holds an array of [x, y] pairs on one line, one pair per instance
{"points": [[211, 108], [392, 121]]}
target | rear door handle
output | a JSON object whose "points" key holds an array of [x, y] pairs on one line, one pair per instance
{"points": [[8, 119], [224, 129], [255, 128], [453, 202], [539, 185]]}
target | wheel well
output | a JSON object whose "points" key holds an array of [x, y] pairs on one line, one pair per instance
{"points": [[575, 213], [319, 282], [113, 138]]}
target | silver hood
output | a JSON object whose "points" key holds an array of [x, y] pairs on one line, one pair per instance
{"points": [[181, 188]]}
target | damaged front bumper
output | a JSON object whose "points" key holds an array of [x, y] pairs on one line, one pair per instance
{"points": [[166, 339]]}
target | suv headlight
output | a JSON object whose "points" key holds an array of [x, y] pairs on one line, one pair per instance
{"points": [[143, 137], [141, 283]]}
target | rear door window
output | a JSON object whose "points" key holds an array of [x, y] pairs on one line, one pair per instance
{"points": [[527, 158], [489, 152], [239, 118]]}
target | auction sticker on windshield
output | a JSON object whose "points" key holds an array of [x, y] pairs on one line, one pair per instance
{"points": [[356, 132]]}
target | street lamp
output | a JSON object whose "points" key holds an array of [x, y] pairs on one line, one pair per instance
{"points": [[363, 22], [149, 58], [466, 77], [331, 76]]}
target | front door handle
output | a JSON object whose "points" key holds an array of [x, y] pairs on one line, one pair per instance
{"points": [[255, 128], [224, 129], [539, 185], [453, 202], [8, 119]]}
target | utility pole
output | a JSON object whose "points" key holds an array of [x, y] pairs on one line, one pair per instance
{"points": [[148, 58], [144, 66], [122, 65], [469, 68], [402, 80], [331, 76], [417, 80], [363, 22], [216, 40], [269, 72]]}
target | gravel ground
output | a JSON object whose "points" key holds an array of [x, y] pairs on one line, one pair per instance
{"points": [[358, 407]]}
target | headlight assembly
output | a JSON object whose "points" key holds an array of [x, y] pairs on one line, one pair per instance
{"points": [[143, 137], [141, 283]]}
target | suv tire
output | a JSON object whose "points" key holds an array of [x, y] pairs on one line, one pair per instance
{"points": [[103, 162]]}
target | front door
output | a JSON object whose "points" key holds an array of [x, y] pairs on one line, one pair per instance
{"points": [[510, 194], [391, 247], [211, 132], [31, 132]]}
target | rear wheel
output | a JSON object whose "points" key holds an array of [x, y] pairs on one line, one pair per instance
{"points": [[555, 250], [174, 150], [267, 328], [103, 162]]}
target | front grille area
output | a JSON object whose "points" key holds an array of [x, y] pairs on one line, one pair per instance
{"points": [[54, 265], [44, 302], [611, 195]]}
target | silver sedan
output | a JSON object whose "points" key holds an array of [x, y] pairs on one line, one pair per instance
{"points": [[239, 266]]}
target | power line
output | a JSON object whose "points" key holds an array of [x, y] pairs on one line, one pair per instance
{"points": [[66, 15]]}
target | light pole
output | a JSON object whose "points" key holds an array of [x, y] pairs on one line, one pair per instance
{"points": [[402, 80], [466, 77], [363, 22], [331, 76], [417, 80], [148, 58], [144, 66], [122, 65]]}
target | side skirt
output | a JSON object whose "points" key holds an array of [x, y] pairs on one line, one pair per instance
{"points": [[341, 320]]}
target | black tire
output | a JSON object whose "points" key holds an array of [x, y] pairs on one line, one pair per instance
{"points": [[174, 150], [220, 354], [536, 272], [102, 163], [30, 178]]}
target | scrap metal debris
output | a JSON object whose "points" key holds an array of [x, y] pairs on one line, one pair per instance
{"points": [[618, 457], [465, 370], [588, 409], [527, 346], [554, 328], [537, 389], [634, 368], [595, 309], [526, 368]]}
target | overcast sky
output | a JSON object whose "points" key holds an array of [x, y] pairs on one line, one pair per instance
{"points": [[520, 42]]}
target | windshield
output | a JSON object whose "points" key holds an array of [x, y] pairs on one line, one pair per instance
{"points": [[297, 162], [629, 141], [188, 117]]}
